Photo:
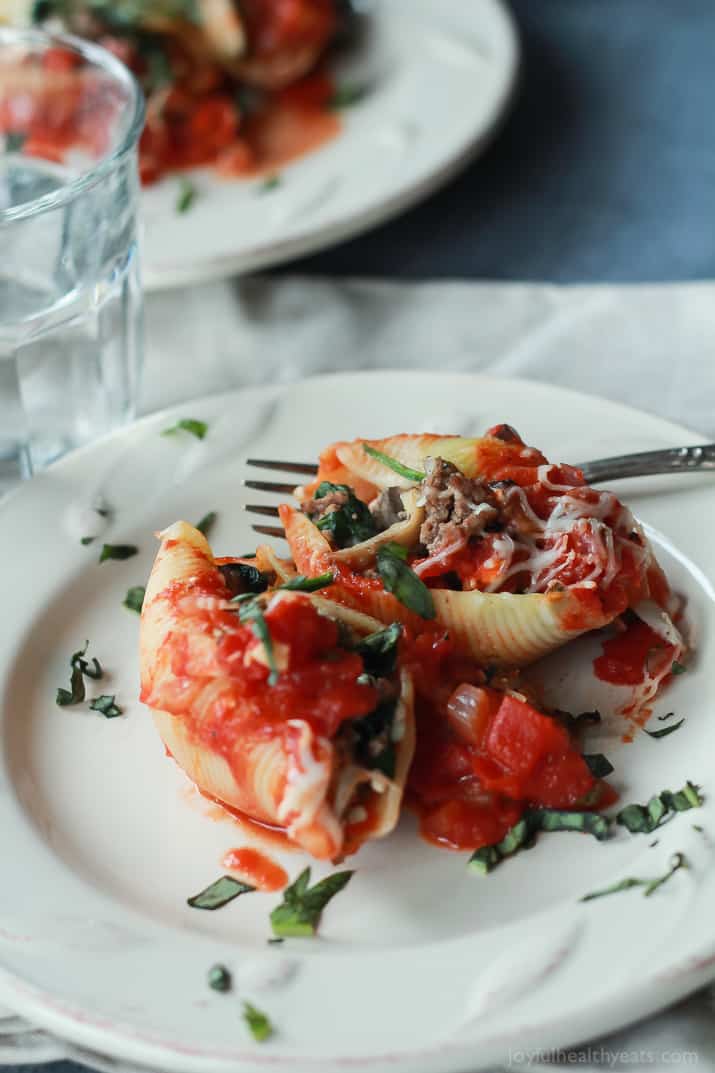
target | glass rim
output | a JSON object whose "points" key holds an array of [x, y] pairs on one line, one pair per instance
{"points": [[99, 57]]}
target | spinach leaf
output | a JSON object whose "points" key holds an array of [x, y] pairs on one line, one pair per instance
{"points": [[349, 524], [379, 650]]}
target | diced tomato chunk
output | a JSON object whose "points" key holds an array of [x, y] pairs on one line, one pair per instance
{"points": [[560, 781], [520, 736]]}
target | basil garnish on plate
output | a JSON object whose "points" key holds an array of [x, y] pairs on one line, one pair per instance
{"points": [[521, 835], [105, 704], [258, 1022], [349, 524], [392, 463], [598, 764], [135, 598], [300, 911], [402, 582], [677, 668], [219, 978], [677, 862], [219, 893], [187, 424], [371, 739], [80, 669], [644, 819], [118, 551], [665, 731], [186, 196]]}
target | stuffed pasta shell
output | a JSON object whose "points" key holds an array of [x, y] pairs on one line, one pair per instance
{"points": [[515, 556], [277, 702]]}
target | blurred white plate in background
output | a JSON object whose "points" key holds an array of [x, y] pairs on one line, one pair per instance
{"points": [[440, 76]]}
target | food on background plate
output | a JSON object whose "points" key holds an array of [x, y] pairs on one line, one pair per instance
{"points": [[275, 701], [239, 86]]}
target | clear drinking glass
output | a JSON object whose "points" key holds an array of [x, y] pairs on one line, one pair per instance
{"points": [[70, 295]]}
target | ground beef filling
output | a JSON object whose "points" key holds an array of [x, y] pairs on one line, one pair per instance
{"points": [[318, 508], [457, 507]]}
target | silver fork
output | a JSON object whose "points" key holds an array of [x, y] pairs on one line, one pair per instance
{"points": [[696, 459]]}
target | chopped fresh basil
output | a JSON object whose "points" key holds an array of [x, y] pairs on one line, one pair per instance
{"points": [[135, 598], [274, 940], [379, 650], [521, 835], [251, 613], [243, 578], [207, 522], [188, 424], [349, 524], [392, 463], [105, 704], [665, 731], [677, 862], [644, 819], [271, 182], [86, 541], [220, 893], [347, 97], [118, 551], [186, 196], [371, 739], [219, 978], [677, 668], [80, 669], [599, 765], [402, 582], [299, 583], [299, 912], [668, 715], [76, 692], [258, 1023]]}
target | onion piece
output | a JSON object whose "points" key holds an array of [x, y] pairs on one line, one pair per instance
{"points": [[468, 712]]}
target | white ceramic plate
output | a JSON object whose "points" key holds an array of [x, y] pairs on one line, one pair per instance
{"points": [[440, 74], [419, 965]]}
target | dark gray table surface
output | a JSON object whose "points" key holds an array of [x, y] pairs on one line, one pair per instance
{"points": [[605, 170]]}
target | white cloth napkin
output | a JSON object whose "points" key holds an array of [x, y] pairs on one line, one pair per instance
{"points": [[650, 346]]}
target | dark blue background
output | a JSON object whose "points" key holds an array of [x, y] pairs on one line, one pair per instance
{"points": [[604, 171]]}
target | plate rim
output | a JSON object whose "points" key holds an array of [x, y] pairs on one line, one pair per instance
{"points": [[164, 277], [656, 991]]}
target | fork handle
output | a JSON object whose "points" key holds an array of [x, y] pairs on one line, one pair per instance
{"points": [[694, 459]]}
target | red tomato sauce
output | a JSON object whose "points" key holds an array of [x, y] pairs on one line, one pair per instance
{"points": [[256, 868], [626, 656], [468, 795]]}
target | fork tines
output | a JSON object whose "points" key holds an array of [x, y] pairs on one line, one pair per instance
{"points": [[303, 468], [308, 469]]}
